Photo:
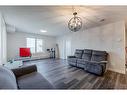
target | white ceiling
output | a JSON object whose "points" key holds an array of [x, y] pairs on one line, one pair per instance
{"points": [[54, 19]]}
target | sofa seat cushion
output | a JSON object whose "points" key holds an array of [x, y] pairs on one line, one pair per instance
{"points": [[72, 60], [33, 81], [17, 58], [7, 79], [72, 63], [81, 65], [94, 68], [81, 61], [40, 55]]}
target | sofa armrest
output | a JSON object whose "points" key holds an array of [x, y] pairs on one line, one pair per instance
{"points": [[24, 70], [71, 57], [93, 66], [103, 62]]}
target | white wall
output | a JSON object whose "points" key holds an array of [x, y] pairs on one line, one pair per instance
{"points": [[126, 42], [110, 37], [3, 56], [17, 40]]}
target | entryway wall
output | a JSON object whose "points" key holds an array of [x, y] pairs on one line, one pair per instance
{"points": [[110, 37], [64, 47], [3, 33], [126, 42]]}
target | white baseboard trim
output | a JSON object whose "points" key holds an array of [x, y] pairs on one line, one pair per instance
{"points": [[117, 70]]}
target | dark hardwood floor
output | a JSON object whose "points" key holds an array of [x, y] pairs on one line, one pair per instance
{"points": [[63, 76]]}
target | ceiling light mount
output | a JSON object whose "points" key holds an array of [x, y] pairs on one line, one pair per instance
{"points": [[75, 13]]}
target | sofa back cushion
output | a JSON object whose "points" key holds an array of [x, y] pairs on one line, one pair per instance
{"points": [[78, 53], [40, 55], [7, 79], [99, 56], [87, 54]]}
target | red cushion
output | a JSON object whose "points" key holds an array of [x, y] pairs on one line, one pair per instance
{"points": [[25, 52]]}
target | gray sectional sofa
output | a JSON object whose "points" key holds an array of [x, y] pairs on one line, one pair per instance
{"points": [[92, 61], [23, 78]]}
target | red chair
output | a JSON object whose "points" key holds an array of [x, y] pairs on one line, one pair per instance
{"points": [[25, 52]]}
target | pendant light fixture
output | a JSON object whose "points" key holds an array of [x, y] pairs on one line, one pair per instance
{"points": [[75, 23]]}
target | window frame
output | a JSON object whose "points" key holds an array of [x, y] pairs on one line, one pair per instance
{"points": [[36, 51]]}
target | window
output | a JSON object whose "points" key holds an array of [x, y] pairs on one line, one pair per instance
{"points": [[35, 45], [39, 45], [31, 44]]}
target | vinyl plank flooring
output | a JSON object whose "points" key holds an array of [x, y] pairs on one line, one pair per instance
{"points": [[64, 76]]}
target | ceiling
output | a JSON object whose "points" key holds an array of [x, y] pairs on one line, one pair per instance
{"points": [[54, 19]]}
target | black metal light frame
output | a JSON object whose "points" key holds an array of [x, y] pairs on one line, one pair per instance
{"points": [[72, 27]]}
